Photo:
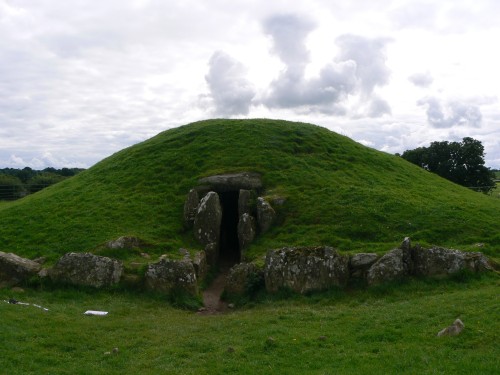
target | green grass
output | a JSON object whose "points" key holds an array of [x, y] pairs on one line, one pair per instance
{"points": [[386, 330], [338, 193], [496, 192]]}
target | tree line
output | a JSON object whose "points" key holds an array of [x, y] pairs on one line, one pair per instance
{"points": [[460, 162], [17, 183]]}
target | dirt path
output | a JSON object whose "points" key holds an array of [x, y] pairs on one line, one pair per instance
{"points": [[211, 295]]}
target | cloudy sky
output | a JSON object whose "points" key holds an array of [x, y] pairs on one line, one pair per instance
{"points": [[82, 79]]}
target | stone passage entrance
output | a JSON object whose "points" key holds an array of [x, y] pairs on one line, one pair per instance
{"points": [[225, 213], [229, 252]]}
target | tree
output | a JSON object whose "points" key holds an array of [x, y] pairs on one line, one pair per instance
{"points": [[11, 187], [42, 180], [460, 162]]}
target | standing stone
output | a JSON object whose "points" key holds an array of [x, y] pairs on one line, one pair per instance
{"points": [[390, 267], [305, 269], [200, 265], [14, 269], [208, 220], [265, 215], [244, 202], [172, 275], [87, 269], [246, 231], [190, 207]]}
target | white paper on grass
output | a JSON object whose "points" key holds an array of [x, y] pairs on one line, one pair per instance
{"points": [[94, 312]]}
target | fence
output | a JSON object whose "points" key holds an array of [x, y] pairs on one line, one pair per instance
{"points": [[13, 192]]}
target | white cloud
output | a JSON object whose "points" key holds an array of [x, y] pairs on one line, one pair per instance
{"points": [[358, 69], [421, 79], [453, 113], [369, 56], [230, 90]]}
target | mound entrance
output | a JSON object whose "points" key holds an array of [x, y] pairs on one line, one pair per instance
{"points": [[226, 212], [229, 251]]}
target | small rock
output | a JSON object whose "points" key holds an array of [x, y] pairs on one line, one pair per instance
{"points": [[452, 330], [230, 306], [107, 353], [230, 349], [115, 350], [124, 242], [145, 255], [202, 309]]}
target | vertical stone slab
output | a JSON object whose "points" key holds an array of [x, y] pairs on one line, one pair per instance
{"points": [[208, 219], [246, 230], [265, 215], [190, 207], [244, 202]]}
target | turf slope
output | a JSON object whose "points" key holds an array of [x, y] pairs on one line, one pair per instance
{"points": [[338, 193]]}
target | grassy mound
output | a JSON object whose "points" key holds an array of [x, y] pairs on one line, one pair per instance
{"points": [[337, 192]]}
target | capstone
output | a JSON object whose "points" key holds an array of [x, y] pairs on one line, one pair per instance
{"points": [[233, 181]]}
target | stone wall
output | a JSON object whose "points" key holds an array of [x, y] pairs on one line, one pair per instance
{"points": [[306, 269], [301, 269]]}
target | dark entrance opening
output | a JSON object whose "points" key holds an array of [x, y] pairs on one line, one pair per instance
{"points": [[229, 244]]}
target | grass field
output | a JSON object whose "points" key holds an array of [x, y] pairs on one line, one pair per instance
{"points": [[385, 330], [338, 193], [496, 193]]}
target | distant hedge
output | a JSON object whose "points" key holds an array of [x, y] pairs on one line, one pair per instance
{"points": [[17, 183]]}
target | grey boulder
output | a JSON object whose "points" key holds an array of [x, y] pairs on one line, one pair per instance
{"points": [[172, 275], [14, 269], [87, 270]]}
